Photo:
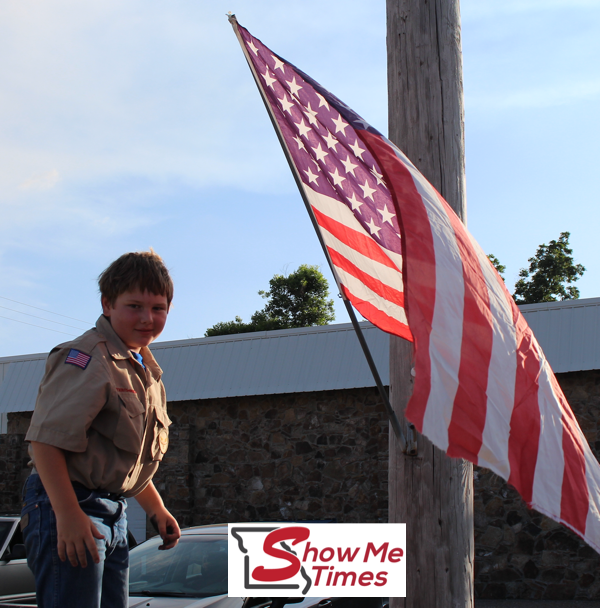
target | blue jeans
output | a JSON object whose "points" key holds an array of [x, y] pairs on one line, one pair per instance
{"points": [[60, 585]]}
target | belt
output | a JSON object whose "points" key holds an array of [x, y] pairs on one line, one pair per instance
{"points": [[101, 493], [80, 486]]}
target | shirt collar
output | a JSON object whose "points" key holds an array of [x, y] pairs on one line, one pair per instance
{"points": [[118, 350]]}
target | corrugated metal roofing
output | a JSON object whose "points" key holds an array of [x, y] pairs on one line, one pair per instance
{"points": [[285, 361], [262, 363], [21, 379], [568, 332], [309, 359]]}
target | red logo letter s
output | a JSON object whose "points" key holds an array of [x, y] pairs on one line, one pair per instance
{"points": [[270, 575]]}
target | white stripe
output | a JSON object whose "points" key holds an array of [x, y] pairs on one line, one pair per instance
{"points": [[378, 271], [340, 213], [501, 374], [550, 465], [592, 475], [361, 291], [445, 340]]}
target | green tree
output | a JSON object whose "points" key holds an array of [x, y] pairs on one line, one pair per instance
{"points": [[550, 274], [496, 264], [300, 299]]}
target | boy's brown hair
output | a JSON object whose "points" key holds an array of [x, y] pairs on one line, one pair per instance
{"points": [[143, 270]]}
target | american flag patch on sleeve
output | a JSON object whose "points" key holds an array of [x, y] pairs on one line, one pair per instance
{"points": [[76, 357]]}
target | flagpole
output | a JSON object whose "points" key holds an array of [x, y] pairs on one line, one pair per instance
{"points": [[393, 418]]}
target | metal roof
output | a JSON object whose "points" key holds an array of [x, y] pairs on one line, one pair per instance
{"points": [[568, 332], [261, 363], [309, 359]]}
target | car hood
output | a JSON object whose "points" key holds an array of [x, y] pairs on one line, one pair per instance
{"points": [[219, 601]]}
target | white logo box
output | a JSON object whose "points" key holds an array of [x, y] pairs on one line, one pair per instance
{"points": [[317, 560]]}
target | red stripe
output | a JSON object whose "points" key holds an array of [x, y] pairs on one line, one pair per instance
{"points": [[523, 441], [419, 265], [465, 431], [361, 243], [379, 318], [381, 289], [575, 500]]}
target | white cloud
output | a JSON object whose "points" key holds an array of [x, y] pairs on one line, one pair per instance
{"points": [[41, 181]]}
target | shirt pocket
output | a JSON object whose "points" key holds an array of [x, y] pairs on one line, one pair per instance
{"points": [[160, 441], [130, 428]]}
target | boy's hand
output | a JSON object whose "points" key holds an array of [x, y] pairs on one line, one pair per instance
{"points": [[75, 533], [168, 528]]}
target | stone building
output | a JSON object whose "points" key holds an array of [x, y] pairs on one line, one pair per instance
{"points": [[287, 425]]}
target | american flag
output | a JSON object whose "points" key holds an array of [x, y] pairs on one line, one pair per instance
{"points": [[76, 357], [343, 183], [483, 389]]}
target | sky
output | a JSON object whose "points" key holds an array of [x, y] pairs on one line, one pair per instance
{"points": [[129, 125]]}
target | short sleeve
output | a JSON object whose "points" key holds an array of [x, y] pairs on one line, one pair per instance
{"points": [[69, 398]]}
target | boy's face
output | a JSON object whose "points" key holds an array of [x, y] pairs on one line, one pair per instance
{"points": [[137, 318]]}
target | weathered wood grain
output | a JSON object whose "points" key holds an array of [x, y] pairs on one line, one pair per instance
{"points": [[430, 492]]}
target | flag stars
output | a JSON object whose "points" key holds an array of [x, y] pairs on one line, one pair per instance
{"points": [[367, 190], [358, 151], [373, 228], [268, 79], [312, 115], [340, 125], [252, 47], [331, 141], [349, 166], [362, 123], [312, 177], [299, 142], [386, 216], [322, 101], [279, 65], [320, 154], [303, 128], [293, 86], [286, 104], [356, 204], [337, 178], [378, 176]]}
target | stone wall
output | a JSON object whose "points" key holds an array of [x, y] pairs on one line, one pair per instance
{"points": [[13, 463], [307, 456], [324, 455]]}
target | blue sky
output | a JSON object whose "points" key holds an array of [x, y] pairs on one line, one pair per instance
{"points": [[130, 125]]}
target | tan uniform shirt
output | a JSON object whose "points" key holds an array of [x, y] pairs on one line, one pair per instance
{"points": [[109, 415]]}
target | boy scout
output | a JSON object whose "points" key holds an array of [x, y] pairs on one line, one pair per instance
{"points": [[98, 433]]}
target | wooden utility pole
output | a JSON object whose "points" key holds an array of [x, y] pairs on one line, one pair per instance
{"points": [[431, 493]]}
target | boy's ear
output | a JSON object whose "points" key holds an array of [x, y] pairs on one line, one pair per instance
{"points": [[105, 306]]}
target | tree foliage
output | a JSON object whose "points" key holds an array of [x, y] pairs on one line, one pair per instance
{"points": [[300, 299], [496, 264], [550, 274]]}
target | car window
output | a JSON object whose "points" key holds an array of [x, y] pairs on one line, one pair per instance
{"points": [[5, 528], [196, 567]]}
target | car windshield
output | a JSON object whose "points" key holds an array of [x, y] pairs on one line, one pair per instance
{"points": [[196, 567]]}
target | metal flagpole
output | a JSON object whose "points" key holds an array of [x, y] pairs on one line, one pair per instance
{"points": [[390, 412]]}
